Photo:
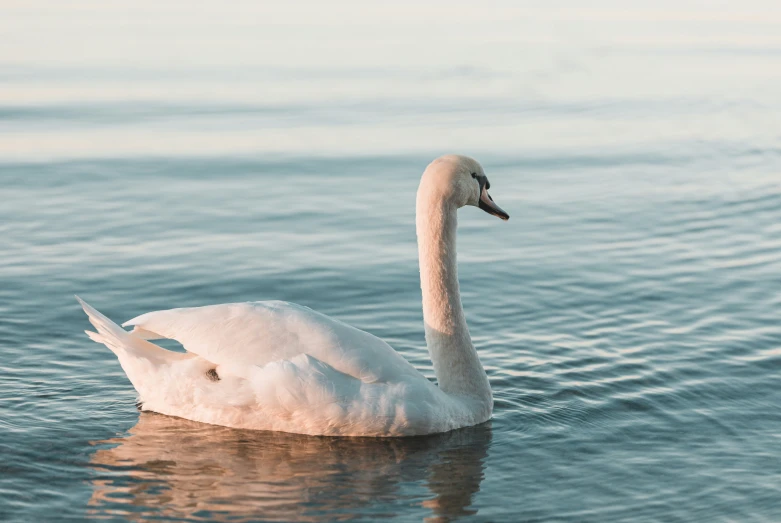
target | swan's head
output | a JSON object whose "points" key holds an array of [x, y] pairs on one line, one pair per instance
{"points": [[461, 181]]}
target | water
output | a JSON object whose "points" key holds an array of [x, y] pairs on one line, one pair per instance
{"points": [[628, 315]]}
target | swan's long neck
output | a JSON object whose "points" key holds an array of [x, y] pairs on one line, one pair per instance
{"points": [[456, 364]]}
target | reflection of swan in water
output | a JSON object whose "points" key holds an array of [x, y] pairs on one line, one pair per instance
{"points": [[176, 468]]}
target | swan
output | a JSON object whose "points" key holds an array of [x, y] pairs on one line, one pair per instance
{"points": [[273, 365]]}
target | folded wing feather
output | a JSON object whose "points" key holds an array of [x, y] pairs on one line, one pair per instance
{"points": [[239, 336]]}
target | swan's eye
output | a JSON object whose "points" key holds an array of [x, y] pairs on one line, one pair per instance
{"points": [[474, 175]]}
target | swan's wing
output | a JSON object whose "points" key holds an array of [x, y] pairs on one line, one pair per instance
{"points": [[241, 335]]}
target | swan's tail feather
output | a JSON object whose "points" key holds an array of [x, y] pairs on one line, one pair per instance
{"points": [[94, 336], [137, 356], [109, 333]]}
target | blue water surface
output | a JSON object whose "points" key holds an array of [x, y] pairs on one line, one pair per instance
{"points": [[628, 315]]}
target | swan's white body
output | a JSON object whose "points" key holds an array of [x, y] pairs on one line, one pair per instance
{"points": [[280, 366]]}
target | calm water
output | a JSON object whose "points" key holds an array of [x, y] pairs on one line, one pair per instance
{"points": [[628, 315]]}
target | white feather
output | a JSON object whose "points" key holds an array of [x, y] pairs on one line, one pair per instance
{"points": [[279, 366]]}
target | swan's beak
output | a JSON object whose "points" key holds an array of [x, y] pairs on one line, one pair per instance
{"points": [[487, 203]]}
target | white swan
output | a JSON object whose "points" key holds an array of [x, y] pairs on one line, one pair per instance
{"points": [[280, 366]]}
